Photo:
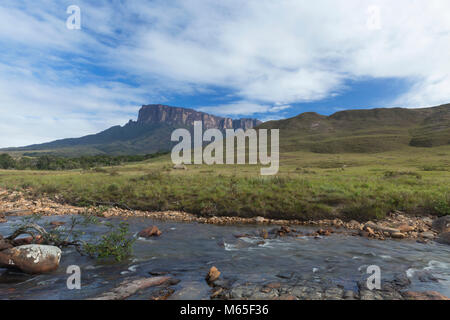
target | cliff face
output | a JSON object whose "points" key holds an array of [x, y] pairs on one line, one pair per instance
{"points": [[156, 113]]}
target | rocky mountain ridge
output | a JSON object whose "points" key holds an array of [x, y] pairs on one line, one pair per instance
{"points": [[157, 113]]}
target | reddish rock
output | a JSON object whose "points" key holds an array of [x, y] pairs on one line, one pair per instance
{"points": [[266, 290], [286, 297], [325, 233], [28, 240], [427, 295], [57, 223], [212, 275], [274, 285], [370, 231], [406, 228], [150, 232], [381, 228], [32, 259], [284, 229]]}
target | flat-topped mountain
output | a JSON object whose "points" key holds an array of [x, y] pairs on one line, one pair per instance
{"points": [[150, 133], [157, 113]]}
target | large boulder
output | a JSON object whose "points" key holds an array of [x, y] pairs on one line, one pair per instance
{"points": [[442, 224], [32, 259]]}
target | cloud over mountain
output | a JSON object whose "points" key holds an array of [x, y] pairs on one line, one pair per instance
{"points": [[262, 53]]}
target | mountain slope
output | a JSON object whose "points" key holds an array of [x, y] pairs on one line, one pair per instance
{"points": [[357, 131], [365, 131], [150, 133]]}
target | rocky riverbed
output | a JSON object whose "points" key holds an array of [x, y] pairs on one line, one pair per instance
{"points": [[173, 260], [182, 256], [397, 225]]}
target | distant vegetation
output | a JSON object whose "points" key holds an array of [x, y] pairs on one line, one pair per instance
{"points": [[49, 162]]}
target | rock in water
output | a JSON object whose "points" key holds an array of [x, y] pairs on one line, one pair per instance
{"points": [[427, 295], [32, 259], [150, 232], [212, 275], [130, 287], [57, 223]]}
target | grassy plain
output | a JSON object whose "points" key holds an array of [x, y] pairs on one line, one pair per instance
{"points": [[308, 186]]}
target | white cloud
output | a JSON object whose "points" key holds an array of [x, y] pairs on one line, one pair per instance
{"points": [[35, 112], [267, 54], [242, 108], [293, 51], [427, 92]]}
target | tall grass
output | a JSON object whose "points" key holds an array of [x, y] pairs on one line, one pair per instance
{"points": [[369, 187]]}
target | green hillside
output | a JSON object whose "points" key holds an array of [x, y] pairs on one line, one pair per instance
{"points": [[364, 131], [130, 139]]}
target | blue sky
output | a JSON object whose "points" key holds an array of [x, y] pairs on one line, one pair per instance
{"points": [[257, 58]]}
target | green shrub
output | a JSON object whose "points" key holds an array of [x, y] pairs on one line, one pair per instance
{"points": [[116, 244]]}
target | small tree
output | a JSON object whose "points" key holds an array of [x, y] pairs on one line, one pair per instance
{"points": [[7, 162]]}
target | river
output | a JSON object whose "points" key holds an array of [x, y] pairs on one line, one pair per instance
{"points": [[187, 251]]}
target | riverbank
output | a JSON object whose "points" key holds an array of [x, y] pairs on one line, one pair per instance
{"points": [[396, 225]]}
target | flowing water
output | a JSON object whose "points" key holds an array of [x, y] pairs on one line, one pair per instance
{"points": [[188, 250]]}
